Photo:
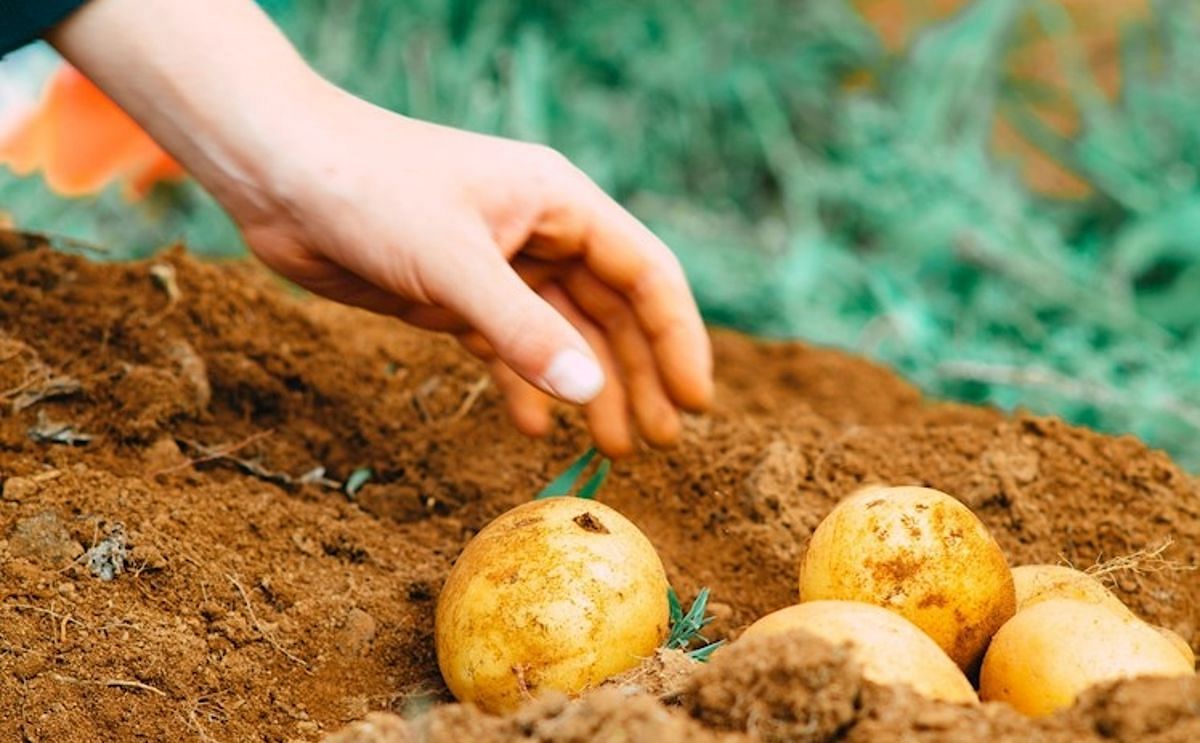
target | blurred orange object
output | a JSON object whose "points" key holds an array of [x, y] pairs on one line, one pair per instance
{"points": [[82, 142]]}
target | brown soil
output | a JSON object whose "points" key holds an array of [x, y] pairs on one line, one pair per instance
{"points": [[256, 601]]}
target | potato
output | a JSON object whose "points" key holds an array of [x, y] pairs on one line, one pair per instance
{"points": [[1042, 658], [920, 553], [1036, 583], [890, 649], [560, 594], [1180, 644]]}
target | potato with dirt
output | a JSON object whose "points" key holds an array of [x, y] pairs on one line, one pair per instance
{"points": [[890, 649], [1037, 583], [556, 594], [1044, 657], [920, 553]]}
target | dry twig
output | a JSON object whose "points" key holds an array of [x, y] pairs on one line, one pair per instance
{"points": [[210, 454], [47, 431], [124, 684], [48, 389], [163, 275], [424, 390], [251, 467], [258, 625], [473, 394], [60, 620], [112, 683]]}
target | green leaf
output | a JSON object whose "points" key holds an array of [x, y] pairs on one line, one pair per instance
{"points": [[701, 655], [676, 608], [562, 484], [356, 480], [686, 627], [588, 491]]}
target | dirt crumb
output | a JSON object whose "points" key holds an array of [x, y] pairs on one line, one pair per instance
{"points": [[662, 675], [44, 539], [590, 523], [791, 687], [1153, 710], [377, 727], [607, 714], [17, 488], [357, 634]]}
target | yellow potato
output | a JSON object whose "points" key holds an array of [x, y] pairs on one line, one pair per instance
{"points": [[890, 649], [1046, 655], [1180, 644], [1036, 583], [560, 594], [919, 553]]}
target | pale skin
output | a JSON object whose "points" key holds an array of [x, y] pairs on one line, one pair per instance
{"points": [[504, 244]]}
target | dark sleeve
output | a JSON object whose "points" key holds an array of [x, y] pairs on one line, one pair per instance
{"points": [[22, 21]]}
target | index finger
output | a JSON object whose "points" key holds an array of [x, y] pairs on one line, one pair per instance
{"points": [[581, 220]]}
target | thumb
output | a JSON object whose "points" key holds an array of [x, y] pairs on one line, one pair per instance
{"points": [[524, 330]]}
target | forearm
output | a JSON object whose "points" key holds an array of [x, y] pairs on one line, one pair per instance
{"points": [[215, 83]]}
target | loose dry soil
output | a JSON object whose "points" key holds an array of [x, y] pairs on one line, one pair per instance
{"points": [[183, 428]]}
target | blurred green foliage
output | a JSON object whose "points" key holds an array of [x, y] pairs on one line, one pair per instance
{"points": [[875, 218]]}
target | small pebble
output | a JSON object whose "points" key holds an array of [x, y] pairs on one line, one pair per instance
{"points": [[357, 634], [18, 488], [44, 539]]}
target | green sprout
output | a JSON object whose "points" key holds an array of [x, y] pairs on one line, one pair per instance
{"points": [[565, 483], [356, 480], [686, 626]]}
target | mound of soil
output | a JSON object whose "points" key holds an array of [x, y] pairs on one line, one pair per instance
{"points": [[180, 558]]}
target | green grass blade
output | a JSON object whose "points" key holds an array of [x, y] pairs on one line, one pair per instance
{"points": [[588, 491], [686, 627], [674, 606], [701, 655], [562, 484]]}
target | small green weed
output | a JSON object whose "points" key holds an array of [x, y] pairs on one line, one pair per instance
{"points": [[565, 483], [686, 626]]}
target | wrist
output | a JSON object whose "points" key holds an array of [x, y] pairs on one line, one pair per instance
{"points": [[251, 155]]}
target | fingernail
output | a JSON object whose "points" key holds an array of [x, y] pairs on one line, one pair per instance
{"points": [[574, 377]]}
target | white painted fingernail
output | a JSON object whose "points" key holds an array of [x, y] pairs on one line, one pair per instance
{"points": [[574, 376]]}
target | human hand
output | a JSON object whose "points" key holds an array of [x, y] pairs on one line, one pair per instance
{"points": [[504, 244]]}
